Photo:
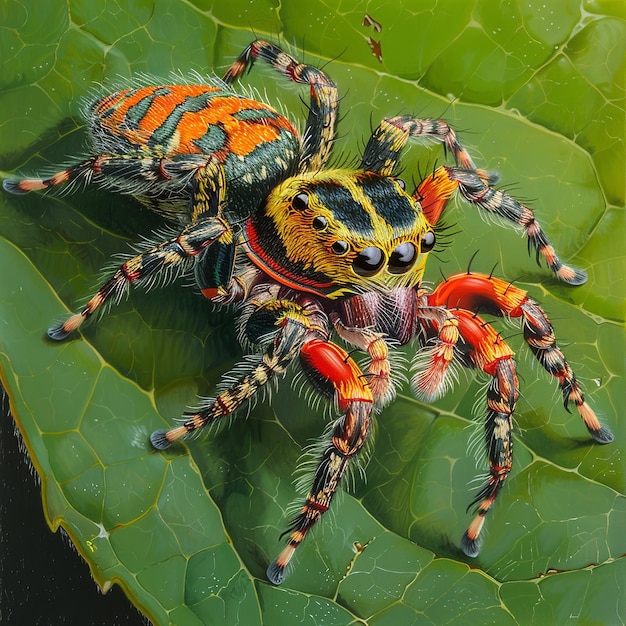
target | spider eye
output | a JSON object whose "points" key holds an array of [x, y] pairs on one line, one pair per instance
{"points": [[340, 247], [401, 183], [368, 261], [402, 258], [428, 242], [319, 223], [300, 201]]}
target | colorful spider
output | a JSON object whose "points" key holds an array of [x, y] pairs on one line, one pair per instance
{"points": [[311, 253]]}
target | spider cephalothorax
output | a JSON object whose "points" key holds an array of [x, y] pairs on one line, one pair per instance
{"points": [[310, 253], [338, 232]]}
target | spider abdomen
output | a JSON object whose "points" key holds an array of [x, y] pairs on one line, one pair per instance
{"points": [[176, 129]]}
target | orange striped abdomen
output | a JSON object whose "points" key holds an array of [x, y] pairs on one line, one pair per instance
{"points": [[256, 145]]}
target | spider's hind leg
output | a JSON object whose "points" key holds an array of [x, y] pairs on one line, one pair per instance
{"points": [[79, 173], [166, 260]]}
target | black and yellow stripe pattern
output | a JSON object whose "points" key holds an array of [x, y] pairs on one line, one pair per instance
{"points": [[338, 232]]}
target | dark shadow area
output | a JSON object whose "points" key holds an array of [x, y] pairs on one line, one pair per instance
{"points": [[43, 581]]}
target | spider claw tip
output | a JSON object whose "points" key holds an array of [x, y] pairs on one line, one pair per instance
{"points": [[159, 440], [275, 573], [471, 547], [603, 436], [12, 185], [58, 333], [572, 275]]}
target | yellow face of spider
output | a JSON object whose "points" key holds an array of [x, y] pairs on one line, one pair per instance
{"points": [[338, 232]]}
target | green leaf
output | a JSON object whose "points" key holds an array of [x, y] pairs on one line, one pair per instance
{"points": [[536, 91]]}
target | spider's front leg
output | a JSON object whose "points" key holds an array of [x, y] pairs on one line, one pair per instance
{"points": [[321, 124], [486, 350], [479, 292], [165, 261], [291, 325], [333, 372], [383, 152], [477, 191], [482, 347]]}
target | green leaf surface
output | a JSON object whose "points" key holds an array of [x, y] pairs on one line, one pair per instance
{"points": [[536, 91]]}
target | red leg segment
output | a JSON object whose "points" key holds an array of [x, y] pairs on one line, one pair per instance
{"points": [[434, 193], [462, 331], [479, 292], [329, 367], [465, 294], [491, 354]]}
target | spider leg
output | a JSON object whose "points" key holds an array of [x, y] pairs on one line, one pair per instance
{"points": [[167, 259], [139, 173], [435, 191], [320, 131], [485, 349], [434, 365], [492, 355], [383, 150], [486, 293], [81, 172], [478, 192], [291, 331], [329, 367], [378, 371], [479, 345]]}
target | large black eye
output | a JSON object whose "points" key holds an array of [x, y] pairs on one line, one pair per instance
{"points": [[319, 223], [340, 247], [402, 258], [300, 202], [368, 261], [428, 242]]}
